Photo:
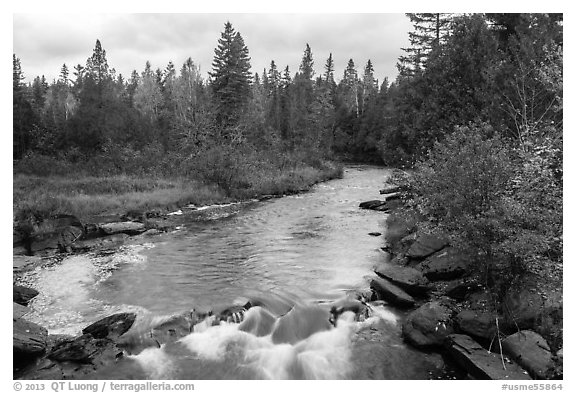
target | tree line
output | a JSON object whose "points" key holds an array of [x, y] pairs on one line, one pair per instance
{"points": [[502, 69]]}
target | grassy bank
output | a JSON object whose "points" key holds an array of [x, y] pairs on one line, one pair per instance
{"points": [[90, 196]]}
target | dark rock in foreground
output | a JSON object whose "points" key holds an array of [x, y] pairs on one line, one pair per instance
{"points": [[460, 289], [426, 245], [375, 234], [448, 264], [409, 279], [428, 325], [530, 351], [479, 362], [23, 295], [29, 339], [385, 290]]}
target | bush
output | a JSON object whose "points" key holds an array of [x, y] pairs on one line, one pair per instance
{"points": [[504, 202]]}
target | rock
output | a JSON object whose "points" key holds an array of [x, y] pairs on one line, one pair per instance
{"points": [[375, 234], [23, 295], [360, 310], [20, 250], [392, 196], [560, 355], [58, 233], [400, 225], [426, 245], [477, 323], [407, 278], [530, 351], [84, 349], [446, 265], [300, 323], [128, 227], [428, 325], [389, 189], [21, 263], [258, 321], [109, 242], [29, 339], [372, 205], [526, 307], [385, 290], [111, 327], [479, 362], [18, 311], [460, 289]]}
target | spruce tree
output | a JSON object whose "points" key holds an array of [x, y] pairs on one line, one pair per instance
{"points": [[230, 76]]}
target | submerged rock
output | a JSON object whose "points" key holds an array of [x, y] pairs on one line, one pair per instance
{"points": [[300, 323], [385, 290], [258, 321], [409, 279], [479, 362], [428, 325], [530, 351]]}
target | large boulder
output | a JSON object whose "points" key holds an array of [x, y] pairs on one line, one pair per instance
{"points": [[385, 290], [407, 278], [480, 363], [112, 326], [130, 228], [29, 339], [428, 325], [58, 232], [23, 295], [448, 264], [426, 245], [530, 351], [481, 324]]}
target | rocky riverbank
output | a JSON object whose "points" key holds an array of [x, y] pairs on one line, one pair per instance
{"points": [[456, 312]]}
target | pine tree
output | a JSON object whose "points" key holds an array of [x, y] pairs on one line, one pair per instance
{"points": [[350, 88], [64, 74], [230, 76], [430, 31], [23, 115]]}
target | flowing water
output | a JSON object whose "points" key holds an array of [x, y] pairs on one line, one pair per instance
{"points": [[293, 256]]}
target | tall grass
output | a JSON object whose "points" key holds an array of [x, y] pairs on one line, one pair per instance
{"points": [[45, 186]]}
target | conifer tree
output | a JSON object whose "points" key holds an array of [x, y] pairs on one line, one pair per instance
{"points": [[230, 76]]}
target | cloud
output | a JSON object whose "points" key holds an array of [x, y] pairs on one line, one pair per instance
{"points": [[45, 42]]}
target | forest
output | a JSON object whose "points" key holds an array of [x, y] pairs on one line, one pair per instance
{"points": [[476, 113]]}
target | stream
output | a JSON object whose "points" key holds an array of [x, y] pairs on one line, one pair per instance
{"points": [[288, 255]]}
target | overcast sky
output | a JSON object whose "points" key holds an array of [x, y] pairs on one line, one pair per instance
{"points": [[44, 42]]}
